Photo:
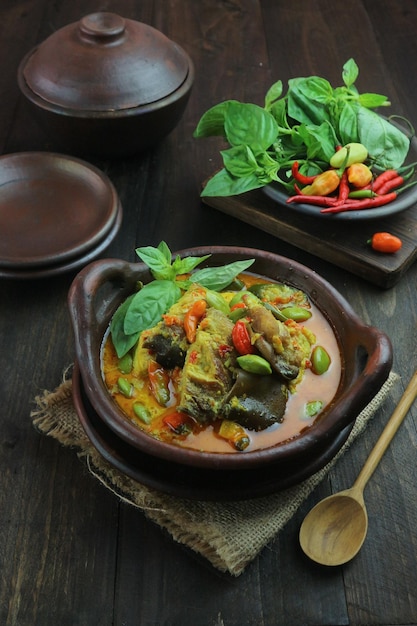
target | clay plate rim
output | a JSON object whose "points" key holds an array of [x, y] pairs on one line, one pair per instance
{"points": [[53, 208]]}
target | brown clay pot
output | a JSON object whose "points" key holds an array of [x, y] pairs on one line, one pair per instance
{"points": [[107, 85], [366, 362]]}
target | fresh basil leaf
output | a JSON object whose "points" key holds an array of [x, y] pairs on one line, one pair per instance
{"points": [[320, 141], [306, 101], [121, 341], [163, 247], [239, 161], [387, 145], [187, 264], [279, 110], [224, 184], [212, 122], [273, 93], [158, 261], [250, 125], [350, 73], [373, 100], [218, 278], [348, 124], [149, 304]]}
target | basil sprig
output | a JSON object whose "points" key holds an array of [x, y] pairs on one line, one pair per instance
{"points": [[305, 124], [144, 309]]}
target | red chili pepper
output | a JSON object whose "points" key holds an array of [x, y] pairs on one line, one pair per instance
{"points": [[301, 178], [385, 242], [323, 201], [383, 178], [241, 338], [192, 319], [179, 422], [391, 184], [343, 188], [364, 203]]}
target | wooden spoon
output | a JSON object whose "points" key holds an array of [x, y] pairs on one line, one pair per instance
{"points": [[335, 529]]}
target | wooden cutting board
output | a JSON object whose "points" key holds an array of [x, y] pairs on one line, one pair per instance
{"points": [[342, 242]]}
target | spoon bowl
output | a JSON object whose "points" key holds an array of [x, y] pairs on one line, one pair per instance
{"points": [[334, 530]]}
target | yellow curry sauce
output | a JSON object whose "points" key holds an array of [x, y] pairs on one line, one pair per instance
{"points": [[311, 388]]}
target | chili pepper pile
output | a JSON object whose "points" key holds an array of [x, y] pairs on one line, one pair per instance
{"points": [[349, 184]]}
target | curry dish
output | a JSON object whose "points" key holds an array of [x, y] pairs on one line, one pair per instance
{"points": [[234, 371]]}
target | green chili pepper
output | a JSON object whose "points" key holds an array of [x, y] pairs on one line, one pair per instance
{"points": [[320, 360], [296, 313], [125, 387], [349, 154], [276, 312], [215, 300], [254, 364], [237, 298], [362, 193]]}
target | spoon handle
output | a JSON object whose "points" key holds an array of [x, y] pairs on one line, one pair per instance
{"points": [[388, 433]]}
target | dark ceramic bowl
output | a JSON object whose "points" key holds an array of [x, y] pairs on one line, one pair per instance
{"points": [[106, 85], [366, 354]]}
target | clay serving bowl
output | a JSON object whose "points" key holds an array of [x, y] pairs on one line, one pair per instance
{"points": [[106, 85], [366, 355]]}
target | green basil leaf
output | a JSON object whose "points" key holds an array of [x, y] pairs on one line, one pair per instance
{"points": [[149, 304], [387, 145], [239, 161], [279, 111], [164, 249], [273, 93], [348, 124], [250, 125], [218, 278], [224, 184], [320, 141], [158, 260], [350, 73], [212, 122], [121, 341], [187, 264], [307, 98], [372, 100]]}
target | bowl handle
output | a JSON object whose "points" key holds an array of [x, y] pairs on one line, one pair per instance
{"points": [[374, 347], [95, 292]]}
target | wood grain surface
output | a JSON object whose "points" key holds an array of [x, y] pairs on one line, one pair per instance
{"points": [[70, 552]]}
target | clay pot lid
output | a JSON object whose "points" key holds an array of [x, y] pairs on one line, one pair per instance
{"points": [[105, 62]]}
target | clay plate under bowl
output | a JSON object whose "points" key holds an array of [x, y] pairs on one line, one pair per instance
{"points": [[54, 210], [366, 354]]}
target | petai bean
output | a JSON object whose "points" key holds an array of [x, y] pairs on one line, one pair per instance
{"points": [[125, 364], [142, 413], [320, 360], [312, 408], [254, 364], [125, 387], [296, 313]]}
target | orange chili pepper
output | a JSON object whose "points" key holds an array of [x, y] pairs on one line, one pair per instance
{"points": [[359, 174], [193, 317], [385, 242], [323, 184]]}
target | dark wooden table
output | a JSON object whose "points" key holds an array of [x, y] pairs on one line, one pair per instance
{"points": [[70, 552]]}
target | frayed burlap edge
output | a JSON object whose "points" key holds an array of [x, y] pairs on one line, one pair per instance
{"points": [[228, 534]]}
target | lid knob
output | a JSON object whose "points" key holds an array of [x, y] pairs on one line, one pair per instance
{"points": [[103, 25]]}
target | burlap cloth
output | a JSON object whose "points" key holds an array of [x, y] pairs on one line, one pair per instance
{"points": [[229, 534]]}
